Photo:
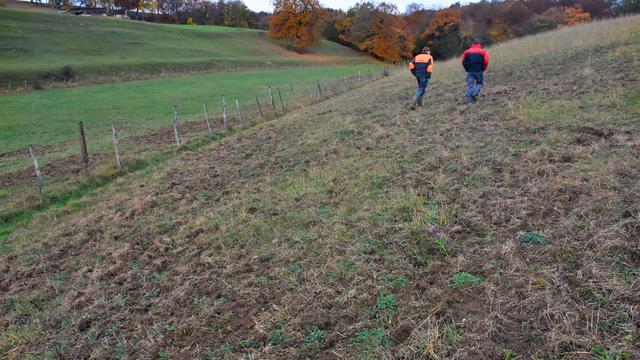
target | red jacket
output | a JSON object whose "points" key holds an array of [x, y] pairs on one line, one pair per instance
{"points": [[475, 59]]}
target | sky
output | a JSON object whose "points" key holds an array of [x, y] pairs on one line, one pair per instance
{"points": [[265, 5]]}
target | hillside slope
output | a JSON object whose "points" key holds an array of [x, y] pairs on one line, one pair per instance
{"points": [[36, 46], [359, 229]]}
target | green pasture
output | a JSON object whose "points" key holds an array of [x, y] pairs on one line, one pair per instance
{"points": [[37, 46], [50, 117]]}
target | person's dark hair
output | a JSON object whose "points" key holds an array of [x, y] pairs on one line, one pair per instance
{"points": [[426, 50], [477, 41]]}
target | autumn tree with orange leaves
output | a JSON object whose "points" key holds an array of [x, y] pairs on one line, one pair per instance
{"points": [[378, 30], [392, 39], [574, 15], [297, 21], [443, 32]]}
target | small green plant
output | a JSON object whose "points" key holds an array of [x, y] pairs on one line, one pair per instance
{"points": [[370, 338], [462, 279], [164, 354], [631, 338], [377, 182], [421, 256], [451, 335], [219, 353], [343, 133], [441, 246], [533, 338], [295, 268], [249, 344], [172, 327], [200, 302], [507, 354], [276, 337], [534, 237], [600, 353], [62, 276], [401, 281], [343, 269], [386, 305], [315, 338]]}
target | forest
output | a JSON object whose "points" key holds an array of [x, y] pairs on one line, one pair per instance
{"points": [[383, 31]]}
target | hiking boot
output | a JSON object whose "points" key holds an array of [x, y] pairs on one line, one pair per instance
{"points": [[414, 103], [474, 98], [420, 100]]}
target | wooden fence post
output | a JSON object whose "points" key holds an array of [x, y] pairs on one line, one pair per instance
{"points": [[115, 145], [83, 147], [37, 169], [206, 117], [319, 88], [273, 104], [259, 107], [175, 125], [281, 102], [310, 91], [224, 114], [239, 112]]}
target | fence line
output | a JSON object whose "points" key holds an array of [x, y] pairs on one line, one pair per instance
{"points": [[248, 111]]}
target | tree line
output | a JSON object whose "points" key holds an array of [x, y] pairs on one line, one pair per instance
{"points": [[379, 29], [384, 32], [233, 13]]}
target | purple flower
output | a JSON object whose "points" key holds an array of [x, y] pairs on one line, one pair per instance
{"points": [[439, 234], [432, 229]]}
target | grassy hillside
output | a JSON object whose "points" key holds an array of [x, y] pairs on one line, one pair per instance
{"points": [[358, 229], [36, 47]]}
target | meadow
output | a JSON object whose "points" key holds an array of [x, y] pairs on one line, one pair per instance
{"points": [[355, 228], [38, 46], [48, 117]]}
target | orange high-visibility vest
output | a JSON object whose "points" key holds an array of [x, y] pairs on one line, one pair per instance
{"points": [[422, 62]]}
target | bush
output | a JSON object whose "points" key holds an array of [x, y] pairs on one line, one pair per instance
{"points": [[67, 73]]}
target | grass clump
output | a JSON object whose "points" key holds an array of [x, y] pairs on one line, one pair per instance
{"points": [[462, 279], [386, 305], [219, 353], [600, 353], [314, 338], [370, 338], [507, 354], [534, 237], [275, 337]]}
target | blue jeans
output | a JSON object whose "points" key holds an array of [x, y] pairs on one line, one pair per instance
{"points": [[475, 82], [422, 85]]}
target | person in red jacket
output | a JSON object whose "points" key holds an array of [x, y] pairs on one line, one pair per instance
{"points": [[421, 67], [475, 61]]}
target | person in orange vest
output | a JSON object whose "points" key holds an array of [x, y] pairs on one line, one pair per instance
{"points": [[421, 67], [475, 61]]}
